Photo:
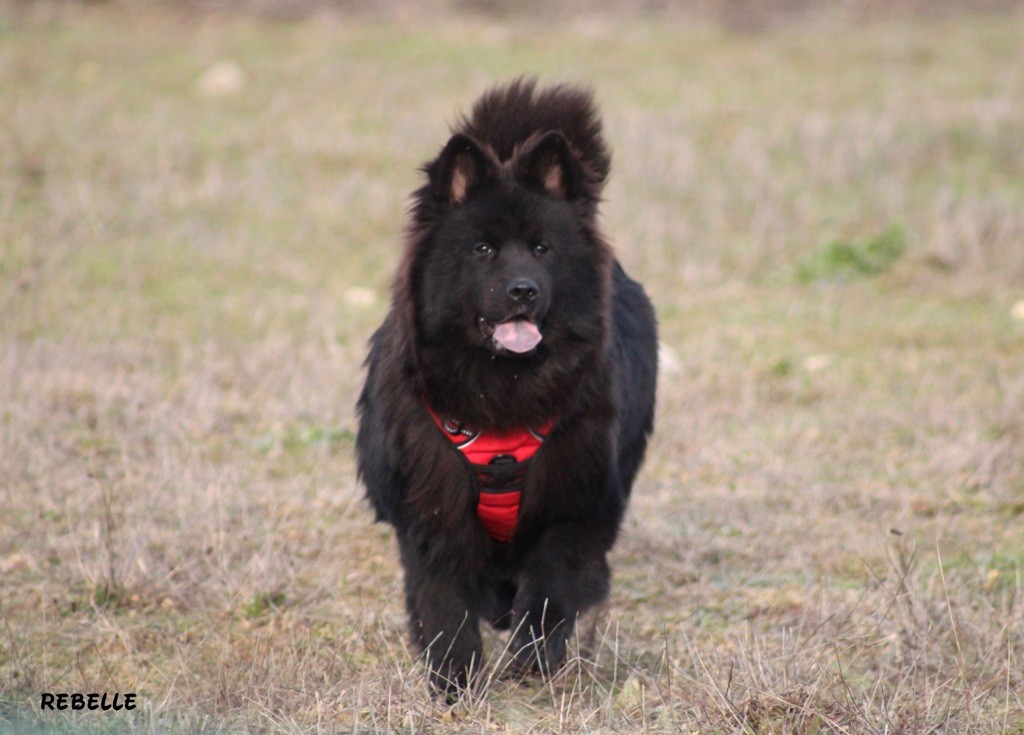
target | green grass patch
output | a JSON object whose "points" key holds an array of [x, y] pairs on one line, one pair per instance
{"points": [[843, 260], [262, 603]]}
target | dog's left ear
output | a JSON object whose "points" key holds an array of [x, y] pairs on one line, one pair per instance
{"points": [[550, 164]]}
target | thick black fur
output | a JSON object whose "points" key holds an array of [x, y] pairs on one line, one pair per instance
{"points": [[512, 197]]}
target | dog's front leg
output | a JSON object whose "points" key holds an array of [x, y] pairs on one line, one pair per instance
{"points": [[565, 573], [444, 622]]}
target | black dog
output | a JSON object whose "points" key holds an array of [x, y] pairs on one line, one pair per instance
{"points": [[510, 389]]}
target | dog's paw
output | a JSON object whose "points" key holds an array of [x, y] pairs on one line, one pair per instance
{"points": [[544, 655], [449, 683]]}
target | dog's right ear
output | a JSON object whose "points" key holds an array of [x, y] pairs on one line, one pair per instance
{"points": [[462, 166]]}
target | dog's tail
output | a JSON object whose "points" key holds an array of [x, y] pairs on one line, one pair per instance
{"points": [[508, 115]]}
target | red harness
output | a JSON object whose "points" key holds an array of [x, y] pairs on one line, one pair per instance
{"points": [[499, 461]]}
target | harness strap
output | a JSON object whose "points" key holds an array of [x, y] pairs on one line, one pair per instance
{"points": [[498, 512], [499, 462]]}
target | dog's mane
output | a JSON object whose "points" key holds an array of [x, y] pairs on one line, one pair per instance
{"points": [[507, 116]]}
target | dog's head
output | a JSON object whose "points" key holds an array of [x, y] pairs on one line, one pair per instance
{"points": [[510, 262]]}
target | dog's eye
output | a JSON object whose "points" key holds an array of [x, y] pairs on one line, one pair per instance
{"points": [[483, 248], [540, 248]]}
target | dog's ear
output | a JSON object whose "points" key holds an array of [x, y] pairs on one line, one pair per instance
{"points": [[462, 166], [550, 164]]}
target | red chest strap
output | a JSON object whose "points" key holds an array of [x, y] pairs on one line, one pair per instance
{"points": [[499, 461]]}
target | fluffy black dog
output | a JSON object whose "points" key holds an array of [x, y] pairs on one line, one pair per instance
{"points": [[510, 389]]}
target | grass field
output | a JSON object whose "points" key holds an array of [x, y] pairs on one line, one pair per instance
{"points": [[198, 220]]}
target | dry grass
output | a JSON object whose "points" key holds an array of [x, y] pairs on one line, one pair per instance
{"points": [[828, 535]]}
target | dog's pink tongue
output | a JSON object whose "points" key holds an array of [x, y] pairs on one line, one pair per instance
{"points": [[517, 335]]}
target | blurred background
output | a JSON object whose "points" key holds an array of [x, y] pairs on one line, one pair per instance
{"points": [[201, 204]]}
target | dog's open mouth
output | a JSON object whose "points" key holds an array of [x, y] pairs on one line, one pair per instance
{"points": [[519, 335]]}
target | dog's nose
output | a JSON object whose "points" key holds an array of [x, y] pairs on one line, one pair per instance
{"points": [[522, 289]]}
